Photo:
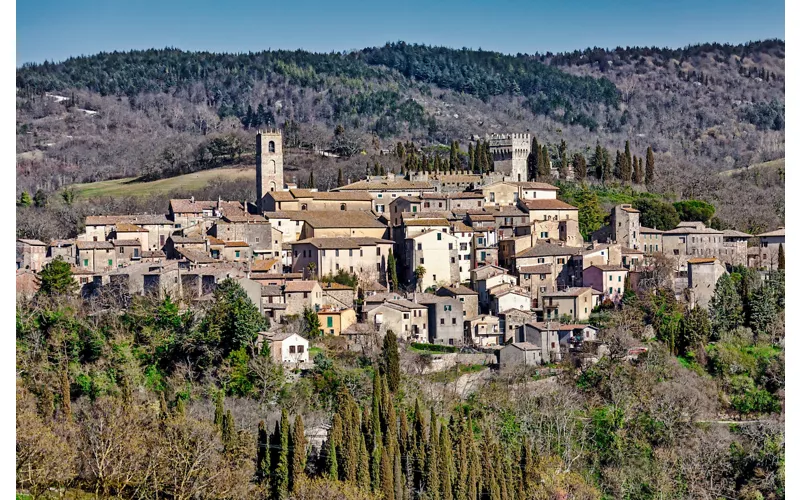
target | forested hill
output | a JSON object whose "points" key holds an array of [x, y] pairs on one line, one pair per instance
{"points": [[703, 109]]}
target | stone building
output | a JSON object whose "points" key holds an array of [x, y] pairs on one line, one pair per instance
{"points": [[269, 164], [734, 247], [769, 244], [577, 303], [366, 257], [407, 319], [311, 199], [692, 240], [301, 294], [445, 319], [31, 254], [466, 296], [437, 253], [96, 256], [703, 276], [484, 331], [510, 154]]}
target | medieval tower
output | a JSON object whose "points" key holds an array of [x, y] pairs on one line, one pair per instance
{"points": [[510, 153], [269, 163]]}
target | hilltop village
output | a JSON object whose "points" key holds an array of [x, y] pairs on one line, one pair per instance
{"points": [[489, 263]]}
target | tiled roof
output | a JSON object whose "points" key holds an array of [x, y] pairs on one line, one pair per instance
{"points": [[569, 292], [335, 286], [331, 219], [278, 336], [61, 243], [378, 185], [152, 254], [643, 230], [460, 227], [271, 291], [124, 227], [630, 210], [778, 232], [542, 186], [263, 264], [514, 290], [373, 286], [700, 260], [195, 256], [126, 243], [539, 269], [547, 205], [481, 217], [244, 217], [457, 290], [236, 244], [732, 233], [141, 219], [631, 251], [548, 250], [187, 240], [94, 245], [608, 268], [300, 286], [187, 206], [523, 346], [691, 230], [426, 222], [341, 243], [215, 241], [33, 243]]}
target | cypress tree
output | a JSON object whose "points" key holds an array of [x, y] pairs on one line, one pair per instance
{"points": [[311, 184], [579, 166], [340, 179], [397, 475], [390, 365], [619, 165], [544, 163], [391, 263], [228, 429], [437, 163], [377, 399], [418, 444], [454, 155], [628, 160], [446, 472], [563, 163], [533, 159], [386, 476], [527, 469], [376, 466], [781, 257], [598, 161], [331, 465], [297, 465], [650, 167], [363, 475], [219, 410], [403, 443], [638, 174], [471, 154], [431, 481], [280, 475], [366, 428], [262, 454], [607, 172]]}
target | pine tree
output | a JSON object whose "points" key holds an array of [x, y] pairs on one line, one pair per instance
{"points": [[390, 365], [297, 465], [391, 264], [340, 179], [763, 309], [24, 200], [579, 166], [650, 167], [262, 453], [725, 307], [39, 199], [781, 257]]}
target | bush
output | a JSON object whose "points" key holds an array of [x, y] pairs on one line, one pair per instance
{"points": [[433, 347]]}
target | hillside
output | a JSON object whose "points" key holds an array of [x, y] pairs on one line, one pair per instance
{"points": [[703, 109]]}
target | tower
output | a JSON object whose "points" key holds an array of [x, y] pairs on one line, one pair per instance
{"points": [[510, 153], [269, 163], [625, 226]]}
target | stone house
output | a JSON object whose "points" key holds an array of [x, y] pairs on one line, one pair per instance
{"points": [[31, 254], [407, 319], [508, 297], [484, 331], [734, 247], [575, 302], [692, 240], [127, 232], [383, 190], [769, 243], [547, 210], [557, 255], [537, 280], [365, 256], [334, 320], [96, 256], [237, 251], [484, 247], [273, 303], [311, 199], [153, 256], [703, 276], [517, 354], [300, 294], [337, 295], [102, 227], [187, 213], [264, 241], [512, 324], [128, 251], [62, 248], [465, 295], [651, 240], [445, 319], [546, 337], [176, 243], [610, 280], [286, 347]]}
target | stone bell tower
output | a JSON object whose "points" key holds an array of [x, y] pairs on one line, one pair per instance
{"points": [[269, 163]]}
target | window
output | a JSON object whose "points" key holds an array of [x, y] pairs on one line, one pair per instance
{"points": [[542, 276], [413, 208], [610, 278], [238, 253], [351, 252], [611, 290], [439, 236], [405, 315], [491, 197], [419, 246], [330, 321], [272, 149], [454, 321], [85, 262], [543, 234], [434, 277], [343, 206], [380, 195], [441, 321], [110, 262], [540, 260], [422, 260], [452, 260], [619, 278], [337, 253]]}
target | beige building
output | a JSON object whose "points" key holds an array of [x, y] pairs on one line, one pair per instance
{"points": [[301, 294], [703, 276], [651, 240], [467, 296], [509, 297], [286, 347], [577, 303], [407, 319], [128, 251], [437, 253], [31, 254], [311, 199], [769, 244], [103, 227], [484, 330], [334, 320], [188, 214], [96, 256], [354, 224], [364, 256], [537, 280], [692, 240], [734, 247], [237, 251], [269, 164], [548, 209], [385, 190]]}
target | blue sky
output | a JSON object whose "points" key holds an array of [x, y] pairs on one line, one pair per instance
{"points": [[55, 30]]}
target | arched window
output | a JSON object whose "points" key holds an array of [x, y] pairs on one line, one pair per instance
{"points": [[272, 186], [303, 207], [273, 166], [343, 206], [271, 146]]}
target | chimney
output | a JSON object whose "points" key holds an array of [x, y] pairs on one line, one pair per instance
{"points": [[191, 200]]}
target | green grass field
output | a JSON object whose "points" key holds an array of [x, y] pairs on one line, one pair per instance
{"points": [[130, 187], [774, 164]]}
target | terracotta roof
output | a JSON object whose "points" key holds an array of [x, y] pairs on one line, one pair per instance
{"points": [[62, 243], [341, 243], [630, 210], [569, 292], [33, 243], [215, 241], [608, 268], [481, 217], [631, 251], [377, 185], [691, 230], [426, 222], [94, 245], [187, 240], [778, 232], [151, 254], [263, 264], [460, 227], [126, 243], [700, 260], [373, 286], [141, 219], [331, 219], [542, 186], [195, 256], [539, 269], [236, 244], [300, 286], [335, 286], [547, 205], [124, 227], [457, 290], [244, 217]]}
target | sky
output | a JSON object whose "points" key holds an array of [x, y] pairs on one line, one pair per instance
{"points": [[55, 30]]}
